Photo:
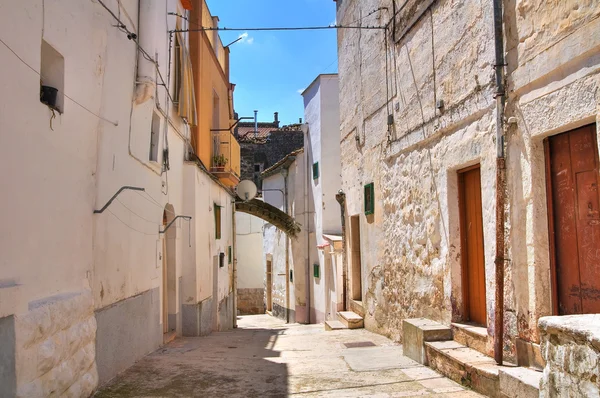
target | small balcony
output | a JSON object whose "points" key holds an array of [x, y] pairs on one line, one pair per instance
{"points": [[225, 162]]}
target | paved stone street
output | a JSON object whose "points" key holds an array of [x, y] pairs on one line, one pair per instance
{"points": [[266, 357]]}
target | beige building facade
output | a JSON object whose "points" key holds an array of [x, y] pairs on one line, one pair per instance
{"points": [[418, 122]]}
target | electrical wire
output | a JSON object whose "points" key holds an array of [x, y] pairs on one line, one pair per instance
{"points": [[154, 201], [65, 94], [279, 28], [129, 226], [368, 15], [142, 217], [133, 37]]}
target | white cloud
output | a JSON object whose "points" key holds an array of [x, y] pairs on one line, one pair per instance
{"points": [[300, 91], [333, 23], [246, 38]]}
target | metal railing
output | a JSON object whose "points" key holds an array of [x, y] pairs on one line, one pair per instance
{"points": [[226, 153]]}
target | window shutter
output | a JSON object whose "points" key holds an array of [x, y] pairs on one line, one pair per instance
{"points": [[369, 199]]}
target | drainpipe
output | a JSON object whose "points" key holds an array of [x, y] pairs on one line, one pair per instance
{"points": [[285, 172], [307, 221], [146, 70], [500, 181], [234, 261], [341, 198]]}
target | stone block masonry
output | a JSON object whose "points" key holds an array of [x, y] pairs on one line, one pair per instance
{"points": [[251, 301], [571, 348], [55, 347]]}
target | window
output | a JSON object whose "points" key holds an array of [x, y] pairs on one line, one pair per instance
{"points": [[154, 136], [369, 199], [52, 78], [229, 255], [315, 170], [316, 271], [258, 167], [217, 221], [291, 275]]}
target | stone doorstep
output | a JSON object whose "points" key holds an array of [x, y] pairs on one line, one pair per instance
{"points": [[520, 382], [416, 331], [466, 366], [357, 307], [350, 319], [334, 325], [475, 337]]}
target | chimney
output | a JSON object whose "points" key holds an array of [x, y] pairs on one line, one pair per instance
{"points": [[255, 123], [276, 120]]}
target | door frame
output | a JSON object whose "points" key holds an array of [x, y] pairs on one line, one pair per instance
{"points": [[463, 244], [550, 209], [551, 231]]}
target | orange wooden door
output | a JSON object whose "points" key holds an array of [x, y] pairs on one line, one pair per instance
{"points": [[473, 264], [574, 220]]}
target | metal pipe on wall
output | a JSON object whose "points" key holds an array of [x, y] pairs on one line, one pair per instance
{"points": [[500, 181], [341, 198]]}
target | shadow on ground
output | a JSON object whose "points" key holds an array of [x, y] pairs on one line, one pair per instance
{"points": [[225, 364]]}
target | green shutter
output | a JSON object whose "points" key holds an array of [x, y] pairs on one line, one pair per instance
{"points": [[229, 254], [291, 275], [369, 199], [316, 270], [315, 170]]}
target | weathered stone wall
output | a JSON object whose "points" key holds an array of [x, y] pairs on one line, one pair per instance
{"points": [[553, 56], [251, 301], [571, 348], [55, 347], [410, 247], [268, 152]]}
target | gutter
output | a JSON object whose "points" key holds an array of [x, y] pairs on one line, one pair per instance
{"points": [[341, 198], [500, 182]]}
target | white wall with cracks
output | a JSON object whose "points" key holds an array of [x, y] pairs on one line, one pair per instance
{"points": [[66, 270]]}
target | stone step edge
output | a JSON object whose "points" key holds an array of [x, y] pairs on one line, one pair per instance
{"points": [[465, 335], [334, 325], [487, 368], [480, 375], [526, 381], [356, 318]]}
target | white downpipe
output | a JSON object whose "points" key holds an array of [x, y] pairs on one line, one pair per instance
{"points": [[146, 69]]}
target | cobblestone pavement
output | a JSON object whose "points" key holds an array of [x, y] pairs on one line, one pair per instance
{"points": [[264, 357]]}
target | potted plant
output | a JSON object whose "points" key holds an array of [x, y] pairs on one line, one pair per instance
{"points": [[219, 162]]}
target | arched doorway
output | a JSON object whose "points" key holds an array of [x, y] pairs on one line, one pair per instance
{"points": [[169, 273]]}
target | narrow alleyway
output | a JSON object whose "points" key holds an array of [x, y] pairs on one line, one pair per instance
{"points": [[265, 357]]}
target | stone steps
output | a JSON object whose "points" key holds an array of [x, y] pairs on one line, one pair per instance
{"points": [[475, 337], [475, 370], [520, 382], [350, 319], [334, 325], [465, 366]]}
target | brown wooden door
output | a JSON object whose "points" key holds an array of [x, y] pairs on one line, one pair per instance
{"points": [[269, 285], [574, 220], [473, 264]]}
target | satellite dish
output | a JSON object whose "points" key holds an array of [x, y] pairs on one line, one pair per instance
{"points": [[246, 190]]}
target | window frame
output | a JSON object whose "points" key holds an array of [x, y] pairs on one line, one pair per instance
{"points": [[218, 219]]}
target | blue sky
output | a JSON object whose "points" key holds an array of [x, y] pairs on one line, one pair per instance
{"points": [[269, 68]]}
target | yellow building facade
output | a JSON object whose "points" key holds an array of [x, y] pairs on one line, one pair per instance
{"points": [[212, 138]]}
